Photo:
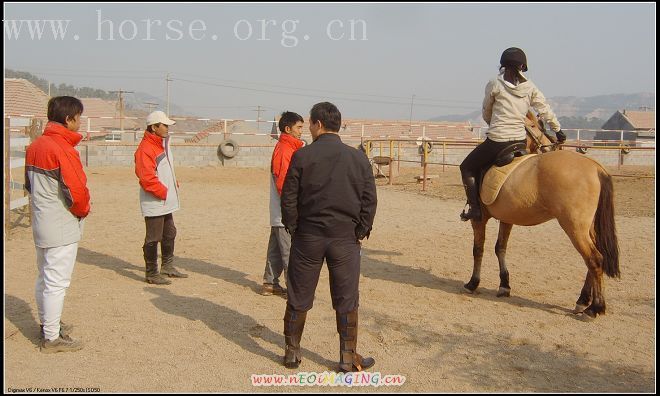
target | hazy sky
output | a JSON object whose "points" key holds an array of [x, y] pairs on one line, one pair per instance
{"points": [[224, 63]]}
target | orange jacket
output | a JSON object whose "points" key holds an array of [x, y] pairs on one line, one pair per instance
{"points": [[55, 179], [149, 153], [154, 168], [281, 159]]}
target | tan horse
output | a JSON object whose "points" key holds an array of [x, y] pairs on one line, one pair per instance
{"points": [[562, 185]]}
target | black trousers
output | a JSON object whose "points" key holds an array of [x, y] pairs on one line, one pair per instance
{"points": [[305, 263], [159, 228], [483, 156]]}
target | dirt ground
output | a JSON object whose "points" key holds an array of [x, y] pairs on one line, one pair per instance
{"points": [[210, 332]]}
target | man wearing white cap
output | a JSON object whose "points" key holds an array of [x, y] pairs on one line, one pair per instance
{"points": [[159, 197]]}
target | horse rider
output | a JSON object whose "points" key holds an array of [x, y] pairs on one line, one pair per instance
{"points": [[508, 98]]}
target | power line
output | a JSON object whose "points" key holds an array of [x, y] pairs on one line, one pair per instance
{"points": [[329, 91], [314, 96]]}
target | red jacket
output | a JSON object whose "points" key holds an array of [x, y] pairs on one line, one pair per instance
{"points": [[55, 179], [149, 150], [281, 159], [154, 168], [53, 154]]}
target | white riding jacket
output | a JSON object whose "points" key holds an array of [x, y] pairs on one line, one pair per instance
{"points": [[506, 105]]}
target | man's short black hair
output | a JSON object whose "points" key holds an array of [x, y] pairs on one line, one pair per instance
{"points": [[289, 119], [62, 107], [328, 114], [151, 127]]}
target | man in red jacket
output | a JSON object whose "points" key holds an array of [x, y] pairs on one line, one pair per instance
{"points": [[57, 185], [279, 243], [159, 198]]}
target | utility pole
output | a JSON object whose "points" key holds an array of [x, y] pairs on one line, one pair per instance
{"points": [[121, 106], [168, 93], [411, 109], [151, 106], [49, 90], [258, 110]]}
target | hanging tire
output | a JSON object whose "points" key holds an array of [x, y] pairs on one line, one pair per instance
{"points": [[625, 149], [581, 149], [228, 148]]}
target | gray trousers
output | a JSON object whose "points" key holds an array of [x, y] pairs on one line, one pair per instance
{"points": [[277, 257]]}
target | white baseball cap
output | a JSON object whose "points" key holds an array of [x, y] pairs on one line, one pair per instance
{"points": [[158, 117]]}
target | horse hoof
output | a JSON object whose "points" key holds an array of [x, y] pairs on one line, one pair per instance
{"points": [[579, 308], [470, 288], [504, 292]]}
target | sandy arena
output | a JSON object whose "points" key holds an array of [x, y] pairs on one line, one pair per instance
{"points": [[210, 332]]}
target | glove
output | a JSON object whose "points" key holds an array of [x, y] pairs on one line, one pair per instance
{"points": [[561, 136], [361, 232]]}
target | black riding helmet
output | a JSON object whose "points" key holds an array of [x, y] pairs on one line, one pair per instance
{"points": [[513, 57]]}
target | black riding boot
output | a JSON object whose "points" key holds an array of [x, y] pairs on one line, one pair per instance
{"points": [[472, 192], [294, 323], [151, 262], [167, 251], [349, 359]]}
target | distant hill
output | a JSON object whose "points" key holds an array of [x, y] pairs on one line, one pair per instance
{"points": [[61, 89], [138, 101], [578, 112], [134, 101], [474, 117]]}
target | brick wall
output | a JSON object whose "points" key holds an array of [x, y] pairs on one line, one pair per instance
{"points": [[258, 156]]}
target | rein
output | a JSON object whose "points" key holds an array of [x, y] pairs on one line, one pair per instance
{"points": [[530, 128]]}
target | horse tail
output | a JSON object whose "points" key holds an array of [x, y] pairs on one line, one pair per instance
{"points": [[606, 240]]}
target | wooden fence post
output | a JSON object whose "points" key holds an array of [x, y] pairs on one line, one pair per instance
{"points": [[7, 179]]}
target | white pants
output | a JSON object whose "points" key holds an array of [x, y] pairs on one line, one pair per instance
{"points": [[55, 267]]}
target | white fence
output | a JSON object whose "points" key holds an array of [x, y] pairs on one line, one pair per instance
{"points": [[16, 198]]}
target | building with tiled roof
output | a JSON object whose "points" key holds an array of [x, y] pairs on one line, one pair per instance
{"points": [[104, 116], [633, 125], [24, 98], [406, 129], [631, 121]]}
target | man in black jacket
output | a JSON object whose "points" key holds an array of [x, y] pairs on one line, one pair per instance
{"points": [[328, 206]]}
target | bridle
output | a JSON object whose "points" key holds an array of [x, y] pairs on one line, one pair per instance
{"points": [[530, 126]]}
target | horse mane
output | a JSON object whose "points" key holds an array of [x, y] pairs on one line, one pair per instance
{"points": [[538, 141]]}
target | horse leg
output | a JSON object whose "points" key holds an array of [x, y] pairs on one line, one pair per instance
{"points": [[585, 296], [500, 251], [479, 229], [582, 240]]}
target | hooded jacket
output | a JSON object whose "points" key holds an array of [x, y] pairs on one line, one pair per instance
{"points": [[154, 167], [506, 105], [55, 179]]}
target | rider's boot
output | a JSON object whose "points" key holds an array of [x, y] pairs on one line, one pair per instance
{"points": [[472, 192]]}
